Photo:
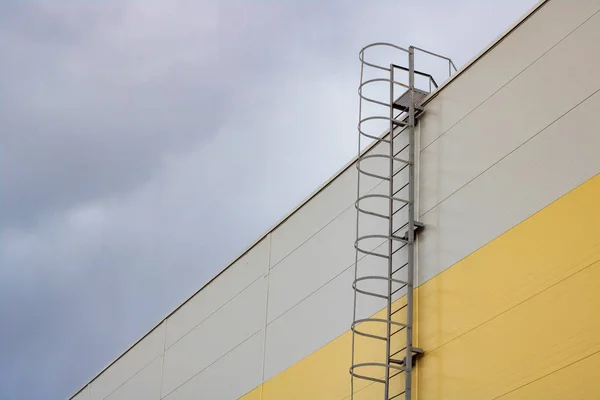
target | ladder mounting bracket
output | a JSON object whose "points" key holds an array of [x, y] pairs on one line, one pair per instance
{"points": [[416, 352], [419, 226]]}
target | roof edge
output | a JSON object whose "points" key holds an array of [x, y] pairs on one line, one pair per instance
{"points": [[487, 49]]}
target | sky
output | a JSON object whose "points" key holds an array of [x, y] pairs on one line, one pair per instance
{"points": [[144, 144]]}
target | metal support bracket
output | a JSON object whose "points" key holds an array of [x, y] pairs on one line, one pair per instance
{"points": [[419, 226], [416, 352]]}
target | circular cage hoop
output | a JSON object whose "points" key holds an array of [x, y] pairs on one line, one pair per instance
{"points": [[358, 322], [376, 278], [376, 196], [368, 252], [362, 53], [354, 367]]}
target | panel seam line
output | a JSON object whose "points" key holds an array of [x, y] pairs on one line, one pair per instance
{"points": [[515, 306], [264, 355], [130, 378], [548, 374], [323, 227], [162, 365], [213, 313], [211, 364], [512, 79], [322, 286], [512, 151]]}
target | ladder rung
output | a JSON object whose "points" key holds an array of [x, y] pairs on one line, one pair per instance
{"points": [[401, 308], [399, 330], [396, 395], [402, 149], [398, 249], [397, 135], [400, 208], [400, 288], [400, 170], [402, 227], [403, 187], [402, 266], [402, 349], [396, 374]]}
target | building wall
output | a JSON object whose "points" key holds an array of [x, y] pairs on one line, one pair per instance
{"points": [[508, 264]]}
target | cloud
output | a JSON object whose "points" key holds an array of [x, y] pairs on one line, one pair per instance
{"points": [[146, 143]]}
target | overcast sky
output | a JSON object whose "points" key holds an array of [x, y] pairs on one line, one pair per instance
{"points": [[145, 143]]}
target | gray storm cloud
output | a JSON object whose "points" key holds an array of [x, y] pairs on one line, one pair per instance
{"points": [[143, 144]]}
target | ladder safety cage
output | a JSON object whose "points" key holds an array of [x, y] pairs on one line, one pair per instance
{"points": [[385, 206]]}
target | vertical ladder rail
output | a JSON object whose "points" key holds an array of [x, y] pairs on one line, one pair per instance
{"points": [[411, 223], [397, 190], [390, 234]]}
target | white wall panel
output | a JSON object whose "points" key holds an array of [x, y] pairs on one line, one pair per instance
{"points": [[548, 166], [138, 357], [522, 47], [313, 216], [229, 378], [333, 200], [553, 85], [318, 260], [145, 385], [231, 325], [310, 325], [323, 316], [230, 283], [544, 29]]}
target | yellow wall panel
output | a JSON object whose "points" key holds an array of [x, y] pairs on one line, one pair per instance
{"points": [[372, 391], [544, 249], [322, 375], [500, 322], [325, 373], [551, 330], [255, 394], [578, 381]]}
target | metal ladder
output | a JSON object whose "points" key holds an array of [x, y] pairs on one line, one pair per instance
{"points": [[385, 253]]}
